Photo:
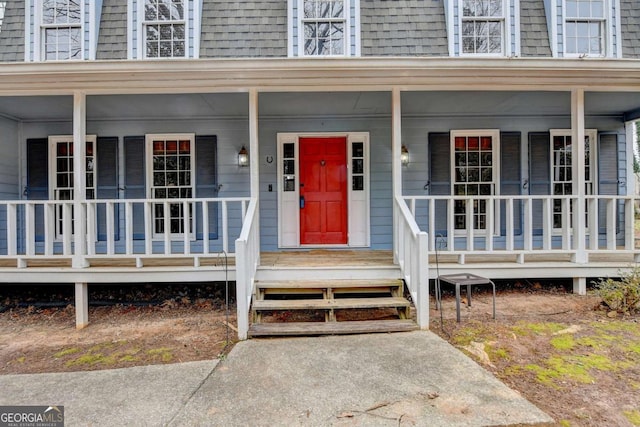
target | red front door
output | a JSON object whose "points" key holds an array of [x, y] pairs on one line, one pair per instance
{"points": [[323, 191]]}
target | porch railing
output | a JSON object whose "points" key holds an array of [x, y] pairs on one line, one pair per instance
{"points": [[410, 252], [247, 261], [122, 227], [525, 224]]}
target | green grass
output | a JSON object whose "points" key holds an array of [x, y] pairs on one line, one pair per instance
{"points": [[633, 417]]}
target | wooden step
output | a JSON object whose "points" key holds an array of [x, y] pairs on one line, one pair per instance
{"points": [[330, 304], [331, 328], [328, 287]]}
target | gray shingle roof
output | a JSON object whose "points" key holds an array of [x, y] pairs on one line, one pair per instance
{"points": [[630, 23], [403, 28], [534, 37], [244, 29], [12, 32], [112, 38]]}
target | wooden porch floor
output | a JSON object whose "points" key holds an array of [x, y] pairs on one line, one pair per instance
{"points": [[326, 258]]}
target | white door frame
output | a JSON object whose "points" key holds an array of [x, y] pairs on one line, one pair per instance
{"points": [[358, 203]]}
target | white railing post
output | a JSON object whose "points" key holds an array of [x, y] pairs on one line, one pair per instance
{"points": [[629, 223], [205, 227], [166, 212], [242, 304], [128, 228], [547, 223], [91, 228], [593, 223], [432, 225], [247, 260], [187, 217], [566, 223], [110, 228], [422, 306], [451, 236], [469, 216], [528, 224], [67, 226], [49, 227], [148, 227], [225, 227], [611, 223], [509, 226], [12, 229]]}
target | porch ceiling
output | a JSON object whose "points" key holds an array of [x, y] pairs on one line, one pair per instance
{"points": [[120, 107], [322, 104]]}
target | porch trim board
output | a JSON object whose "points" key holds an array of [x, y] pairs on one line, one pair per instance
{"points": [[305, 74]]}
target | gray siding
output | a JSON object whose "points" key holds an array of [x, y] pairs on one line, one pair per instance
{"points": [[630, 22], [244, 29], [12, 32], [403, 28], [533, 29], [112, 38]]}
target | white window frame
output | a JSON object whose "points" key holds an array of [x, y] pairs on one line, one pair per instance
{"points": [[53, 172], [3, 8], [359, 201], [605, 28], [142, 33], [495, 182], [591, 182], [346, 21], [505, 27], [149, 139], [41, 28]]}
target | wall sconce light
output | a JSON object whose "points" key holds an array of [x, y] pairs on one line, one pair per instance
{"points": [[404, 156], [243, 157]]}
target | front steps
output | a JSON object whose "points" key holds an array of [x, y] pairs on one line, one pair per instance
{"points": [[329, 307]]}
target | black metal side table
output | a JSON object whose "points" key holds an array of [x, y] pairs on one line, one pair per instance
{"points": [[468, 280]]}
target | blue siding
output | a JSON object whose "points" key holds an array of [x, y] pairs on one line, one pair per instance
{"points": [[9, 161]]}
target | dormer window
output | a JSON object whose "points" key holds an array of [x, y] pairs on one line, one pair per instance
{"points": [[3, 6], [585, 27], [61, 29], [164, 29], [324, 26], [482, 27]]}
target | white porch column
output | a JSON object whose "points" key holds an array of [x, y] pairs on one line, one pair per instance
{"points": [[630, 184], [396, 142], [79, 179], [82, 305], [254, 162], [578, 189], [396, 167]]}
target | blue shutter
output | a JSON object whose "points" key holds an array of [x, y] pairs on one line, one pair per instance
{"points": [[608, 177], [106, 181], [510, 176], [207, 181], [440, 175], [135, 180], [539, 173], [38, 179]]}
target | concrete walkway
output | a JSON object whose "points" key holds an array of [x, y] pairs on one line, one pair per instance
{"points": [[412, 378]]}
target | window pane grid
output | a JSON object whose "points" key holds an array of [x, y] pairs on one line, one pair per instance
{"points": [[482, 29], [172, 179], [63, 187], [324, 28], [473, 176], [562, 171], [165, 29], [585, 27], [61, 30]]}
